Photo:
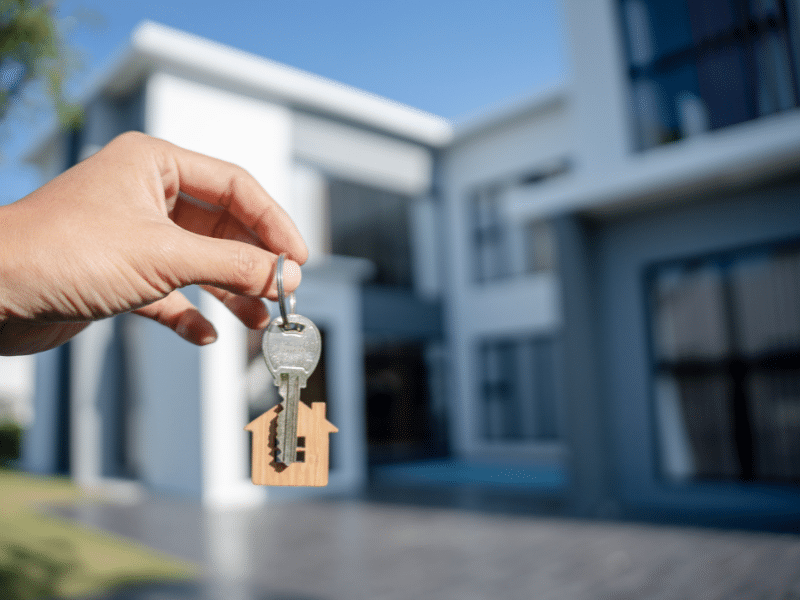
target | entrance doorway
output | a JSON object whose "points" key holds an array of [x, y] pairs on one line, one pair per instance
{"points": [[400, 422]]}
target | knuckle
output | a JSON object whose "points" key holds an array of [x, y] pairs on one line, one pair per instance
{"points": [[235, 188], [247, 261], [131, 138]]}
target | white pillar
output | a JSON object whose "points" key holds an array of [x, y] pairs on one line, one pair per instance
{"points": [[226, 481], [87, 352]]}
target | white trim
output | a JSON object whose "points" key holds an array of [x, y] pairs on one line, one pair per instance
{"points": [[683, 170], [162, 44]]}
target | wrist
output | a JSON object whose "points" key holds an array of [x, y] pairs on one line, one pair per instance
{"points": [[9, 261]]}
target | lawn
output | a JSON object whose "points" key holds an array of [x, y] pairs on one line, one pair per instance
{"points": [[42, 556]]}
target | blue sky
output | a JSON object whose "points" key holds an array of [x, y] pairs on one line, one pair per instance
{"points": [[449, 57]]}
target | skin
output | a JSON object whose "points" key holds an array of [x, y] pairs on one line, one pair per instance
{"points": [[123, 230]]}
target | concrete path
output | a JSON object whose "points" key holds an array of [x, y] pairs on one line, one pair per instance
{"points": [[353, 550]]}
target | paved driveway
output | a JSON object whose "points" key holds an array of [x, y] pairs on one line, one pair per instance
{"points": [[353, 550]]}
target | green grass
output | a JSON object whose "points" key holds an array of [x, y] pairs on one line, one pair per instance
{"points": [[42, 556]]}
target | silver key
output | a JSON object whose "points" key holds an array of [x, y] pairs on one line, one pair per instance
{"points": [[292, 355]]}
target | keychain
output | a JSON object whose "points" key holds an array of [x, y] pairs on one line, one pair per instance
{"points": [[291, 440]]}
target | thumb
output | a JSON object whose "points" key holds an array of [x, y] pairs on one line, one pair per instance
{"points": [[235, 266]]}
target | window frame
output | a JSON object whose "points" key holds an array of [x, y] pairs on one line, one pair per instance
{"points": [[518, 346], [744, 35], [742, 366]]}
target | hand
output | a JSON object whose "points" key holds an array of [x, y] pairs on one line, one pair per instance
{"points": [[124, 229]]}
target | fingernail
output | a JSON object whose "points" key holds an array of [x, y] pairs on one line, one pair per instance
{"points": [[291, 274], [208, 339]]}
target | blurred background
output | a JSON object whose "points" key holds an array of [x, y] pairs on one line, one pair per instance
{"points": [[555, 253]]}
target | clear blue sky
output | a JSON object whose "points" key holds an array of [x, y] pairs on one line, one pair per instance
{"points": [[453, 58]]}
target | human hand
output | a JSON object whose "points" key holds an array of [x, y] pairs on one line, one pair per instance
{"points": [[121, 232]]}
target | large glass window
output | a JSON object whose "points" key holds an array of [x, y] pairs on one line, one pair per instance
{"points": [[367, 222], [371, 223], [726, 342], [704, 64], [518, 385]]}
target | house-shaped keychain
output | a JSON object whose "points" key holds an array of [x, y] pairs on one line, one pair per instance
{"points": [[313, 437]]}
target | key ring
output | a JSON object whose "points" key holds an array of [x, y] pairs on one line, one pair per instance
{"points": [[286, 325]]}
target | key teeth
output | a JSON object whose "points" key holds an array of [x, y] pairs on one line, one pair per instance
{"points": [[280, 433]]}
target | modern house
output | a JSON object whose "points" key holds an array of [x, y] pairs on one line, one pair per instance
{"points": [[600, 282], [128, 404]]}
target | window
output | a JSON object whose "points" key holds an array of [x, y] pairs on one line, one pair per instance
{"points": [[518, 386], [490, 236], [504, 248], [726, 343], [696, 65], [373, 224]]}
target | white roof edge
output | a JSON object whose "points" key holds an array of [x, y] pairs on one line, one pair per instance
{"points": [[296, 86], [758, 150], [153, 43], [511, 109]]}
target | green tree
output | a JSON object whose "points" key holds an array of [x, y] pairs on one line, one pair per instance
{"points": [[32, 48]]}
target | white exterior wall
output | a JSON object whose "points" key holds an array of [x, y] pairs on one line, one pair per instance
{"points": [[309, 201], [362, 156], [520, 305], [255, 135], [610, 175], [602, 130]]}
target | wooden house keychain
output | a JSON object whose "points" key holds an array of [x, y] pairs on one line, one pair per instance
{"points": [[290, 440]]}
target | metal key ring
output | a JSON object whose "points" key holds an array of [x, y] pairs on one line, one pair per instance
{"points": [[286, 325]]}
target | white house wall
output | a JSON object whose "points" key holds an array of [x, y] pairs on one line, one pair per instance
{"points": [[513, 148], [362, 156], [309, 202], [602, 128], [251, 133], [610, 175], [523, 305], [676, 172]]}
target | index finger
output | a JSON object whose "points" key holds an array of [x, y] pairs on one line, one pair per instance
{"points": [[231, 187]]}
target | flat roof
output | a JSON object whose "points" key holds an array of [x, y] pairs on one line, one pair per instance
{"points": [[153, 46]]}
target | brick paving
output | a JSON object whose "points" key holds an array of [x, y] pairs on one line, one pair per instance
{"points": [[352, 550]]}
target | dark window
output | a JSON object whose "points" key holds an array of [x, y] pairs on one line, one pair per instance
{"points": [[490, 236], [726, 342], [705, 64], [373, 224], [518, 389]]}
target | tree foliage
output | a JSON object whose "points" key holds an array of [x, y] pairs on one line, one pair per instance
{"points": [[32, 49]]}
